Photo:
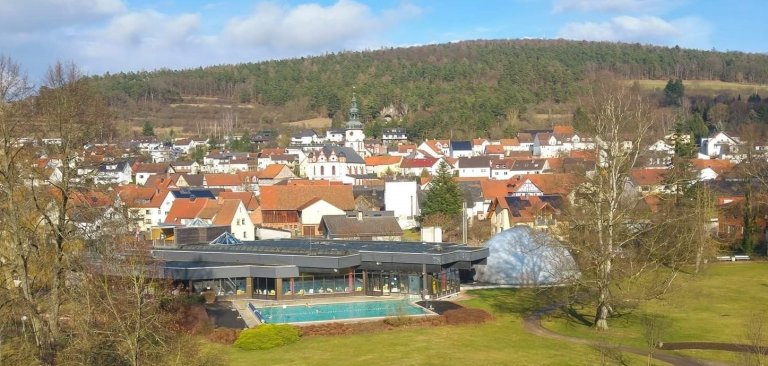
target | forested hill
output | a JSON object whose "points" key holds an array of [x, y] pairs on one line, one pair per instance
{"points": [[472, 84]]}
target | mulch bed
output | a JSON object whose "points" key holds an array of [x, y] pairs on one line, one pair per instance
{"points": [[439, 307], [450, 314]]}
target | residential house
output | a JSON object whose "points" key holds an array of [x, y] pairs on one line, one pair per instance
{"points": [[142, 205], [415, 167], [708, 169], [506, 168], [479, 145], [113, 173], [650, 181], [299, 208], [539, 212], [375, 225], [476, 166], [459, 149], [305, 137], [720, 146], [186, 166], [393, 136], [274, 173], [144, 170], [383, 165], [435, 148], [335, 135], [224, 181], [173, 195]]}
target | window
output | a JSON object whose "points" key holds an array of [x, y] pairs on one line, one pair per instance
{"points": [[322, 170], [333, 170]]}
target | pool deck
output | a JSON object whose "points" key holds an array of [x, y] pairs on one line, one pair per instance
{"points": [[242, 306]]}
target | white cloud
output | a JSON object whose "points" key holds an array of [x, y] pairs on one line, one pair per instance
{"points": [[310, 26], [688, 32], [106, 35], [37, 15], [614, 6]]}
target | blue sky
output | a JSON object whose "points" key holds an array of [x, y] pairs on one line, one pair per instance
{"points": [[129, 35]]}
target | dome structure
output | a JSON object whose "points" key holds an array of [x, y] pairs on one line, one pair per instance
{"points": [[525, 257]]}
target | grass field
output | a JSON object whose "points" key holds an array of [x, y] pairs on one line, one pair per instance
{"points": [[708, 87], [714, 307], [502, 342]]}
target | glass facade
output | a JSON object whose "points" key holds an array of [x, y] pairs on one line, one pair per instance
{"points": [[221, 286], [265, 288]]}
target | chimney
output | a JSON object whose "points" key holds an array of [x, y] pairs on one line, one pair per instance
{"points": [[359, 215]]}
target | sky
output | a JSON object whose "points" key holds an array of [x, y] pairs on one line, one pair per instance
{"points": [[132, 35]]}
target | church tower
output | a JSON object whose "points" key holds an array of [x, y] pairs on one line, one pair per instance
{"points": [[354, 136]]}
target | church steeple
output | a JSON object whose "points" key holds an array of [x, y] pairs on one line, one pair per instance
{"points": [[354, 114]]}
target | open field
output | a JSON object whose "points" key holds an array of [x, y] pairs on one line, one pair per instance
{"points": [[717, 306], [311, 123], [711, 307], [708, 87]]}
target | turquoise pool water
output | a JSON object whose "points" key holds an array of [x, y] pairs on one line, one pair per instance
{"points": [[349, 310]]}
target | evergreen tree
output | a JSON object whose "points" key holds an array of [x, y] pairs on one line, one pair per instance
{"points": [[148, 129], [444, 195], [581, 121], [673, 93]]}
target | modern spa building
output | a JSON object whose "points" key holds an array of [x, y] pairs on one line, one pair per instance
{"points": [[301, 268]]}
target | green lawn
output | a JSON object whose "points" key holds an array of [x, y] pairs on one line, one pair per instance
{"points": [[502, 342], [715, 306]]}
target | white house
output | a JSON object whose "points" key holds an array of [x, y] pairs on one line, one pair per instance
{"points": [[334, 135], [460, 149], [113, 173], [305, 137], [394, 135], [312, 213], [476, 167], [403, 199], [720, 146]]}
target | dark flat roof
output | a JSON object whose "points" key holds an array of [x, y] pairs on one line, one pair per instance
{"points": [[332, 247], [324, 253]]}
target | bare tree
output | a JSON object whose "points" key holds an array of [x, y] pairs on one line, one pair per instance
{"points": [[619, 243]]}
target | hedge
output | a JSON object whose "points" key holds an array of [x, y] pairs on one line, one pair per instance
{"points": [[267, 336]]}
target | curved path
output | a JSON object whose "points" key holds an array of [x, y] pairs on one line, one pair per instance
{"points": [[532, 323]]}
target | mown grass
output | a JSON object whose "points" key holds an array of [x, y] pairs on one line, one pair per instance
{"points": [[501, 342], [716, 306]]}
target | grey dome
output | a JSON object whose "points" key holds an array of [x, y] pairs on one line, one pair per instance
{"points": [[523, 256]]}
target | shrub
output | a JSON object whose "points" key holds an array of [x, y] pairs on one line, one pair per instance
{"points": [[267, 336]]}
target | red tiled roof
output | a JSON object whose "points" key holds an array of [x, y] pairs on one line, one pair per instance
{"points": [[382, 160], [221, 180], [717, 165], [271, 171], [158, 168], [247, 198], [645, 176], [418, 163], [185, 208], [292, 197], [494, 149]]}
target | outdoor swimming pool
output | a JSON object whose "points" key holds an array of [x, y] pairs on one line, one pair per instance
{"points": [[322, 312]]}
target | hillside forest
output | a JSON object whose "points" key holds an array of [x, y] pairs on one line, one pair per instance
{"points": [[459, 90]]}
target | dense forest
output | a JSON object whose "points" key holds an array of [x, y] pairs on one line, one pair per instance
{"points": [[472, 86]]}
